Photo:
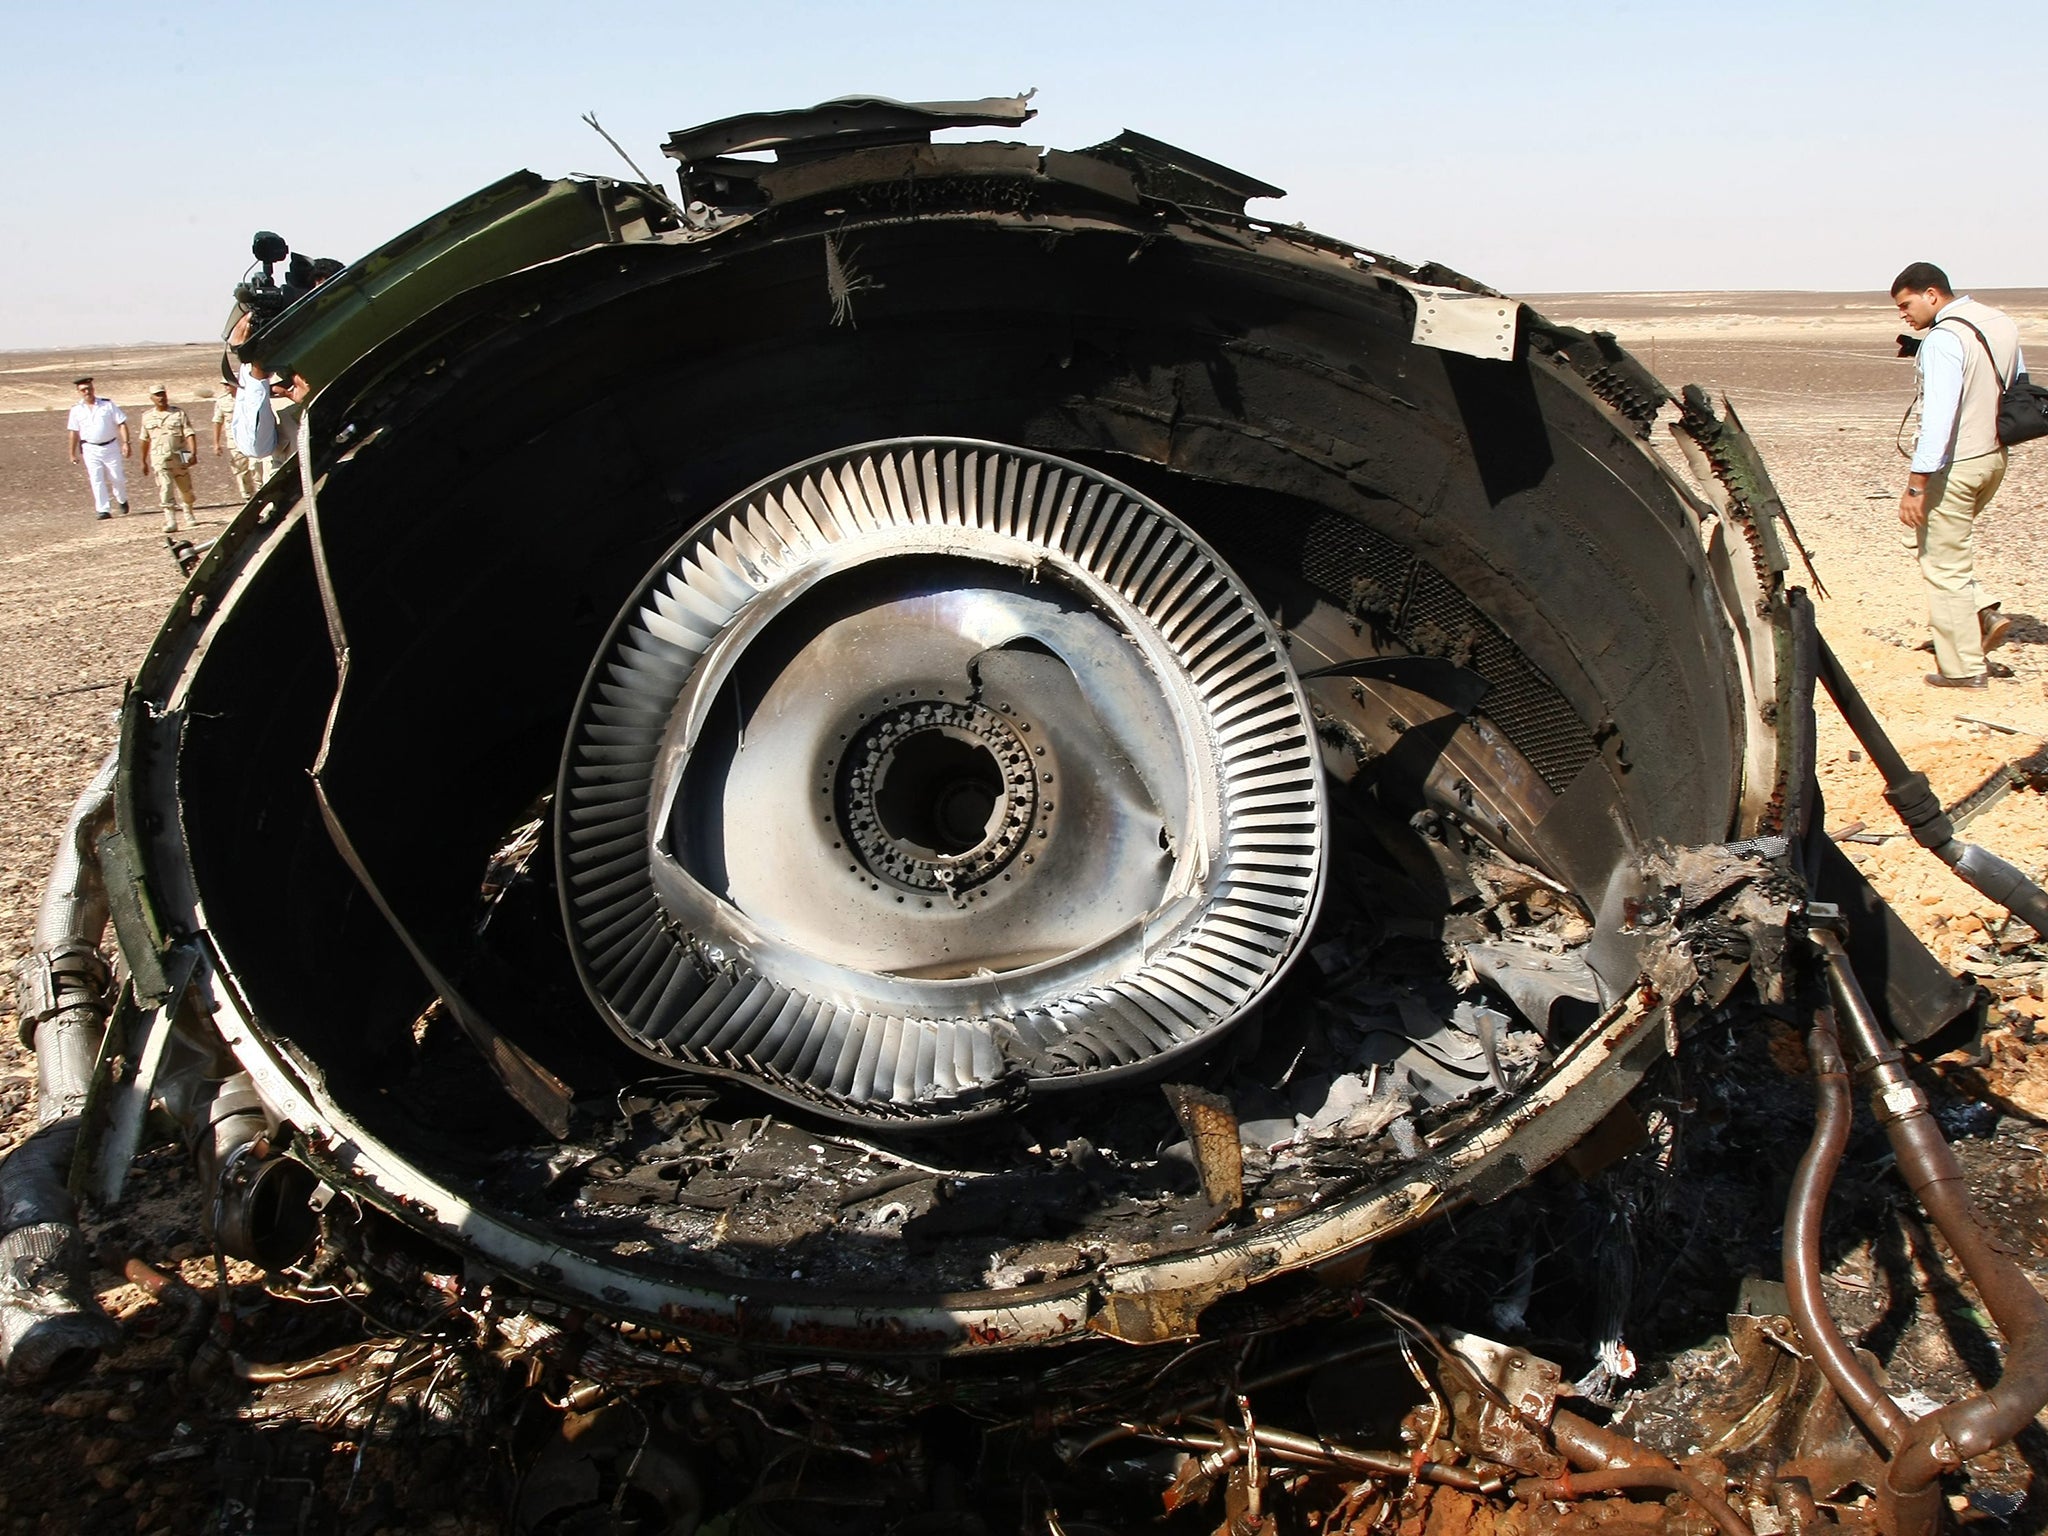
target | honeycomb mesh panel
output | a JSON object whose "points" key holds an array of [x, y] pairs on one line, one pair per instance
{"points": [[1357, 569], [1369, 575]]}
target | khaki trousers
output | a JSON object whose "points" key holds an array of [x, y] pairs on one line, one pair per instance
{"points": [[174, 485], [1955, 497], [244, 473]]}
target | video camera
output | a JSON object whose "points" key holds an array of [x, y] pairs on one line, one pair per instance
{"points": [[263, 295]]}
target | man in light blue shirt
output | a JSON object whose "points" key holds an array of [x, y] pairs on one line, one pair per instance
{"points": [[254, 423], [1969, 354]]}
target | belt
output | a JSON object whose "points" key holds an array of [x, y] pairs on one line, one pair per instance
{"points": [[102, 443]]}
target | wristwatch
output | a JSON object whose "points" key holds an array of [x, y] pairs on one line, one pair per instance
{"points": [[1916, 490]]}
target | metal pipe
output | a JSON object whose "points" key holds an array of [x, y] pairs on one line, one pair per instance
{"points": [[51, 1327], [1805, 1213], [1884, 757], [146, 1277], [1920, 809], [1573, 1485], [259, 1210], [1910, 1501], [1593, 1448], [1796, 1502], [1289, 1446], [74, 904], [2004, 883], [1381, 1463]]}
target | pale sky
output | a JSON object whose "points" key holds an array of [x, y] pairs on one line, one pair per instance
{"points": [[1538, 148]]}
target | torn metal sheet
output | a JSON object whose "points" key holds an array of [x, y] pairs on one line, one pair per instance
{"points": [[126, 1106], [1476, 324], [1535, 979]]}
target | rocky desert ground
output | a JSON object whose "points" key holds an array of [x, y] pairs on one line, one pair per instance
{"points": [[140, 1447]]}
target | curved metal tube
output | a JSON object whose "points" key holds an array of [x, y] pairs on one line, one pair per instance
{"points": [[1594, 1448], [50, 1326], [2004, 883], [1950, 1436], [259, 1208], [74, 902], [1574, 1485], [1315, 1451], [1805, 1212]]}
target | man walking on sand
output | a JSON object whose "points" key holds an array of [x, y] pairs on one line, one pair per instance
{"points": [[238, 461], [95, 426], [1969, 354], [167, 436]]}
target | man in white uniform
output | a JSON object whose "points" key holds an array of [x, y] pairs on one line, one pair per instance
{"points": [[96, 426]]}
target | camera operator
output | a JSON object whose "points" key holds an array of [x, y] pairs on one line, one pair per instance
{"points": [[266, 412], [254, 420]]}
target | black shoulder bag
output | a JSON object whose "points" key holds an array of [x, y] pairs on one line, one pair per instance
{"points": [[2022, 406]]}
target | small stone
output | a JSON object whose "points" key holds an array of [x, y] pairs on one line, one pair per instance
{"points": [[85, 1403], [101, 1451], [121, 1413]]}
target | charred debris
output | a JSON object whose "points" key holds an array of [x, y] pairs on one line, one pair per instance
{"points": [[941, 835]]}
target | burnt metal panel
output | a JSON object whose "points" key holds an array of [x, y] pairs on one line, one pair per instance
{"points": [[850, 122], [1174, 175]]}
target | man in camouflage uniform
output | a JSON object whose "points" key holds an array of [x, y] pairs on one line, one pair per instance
{"points": [[238, 461], [168, 438]]}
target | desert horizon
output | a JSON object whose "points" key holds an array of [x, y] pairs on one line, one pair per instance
{"points": [[1862, 324]]}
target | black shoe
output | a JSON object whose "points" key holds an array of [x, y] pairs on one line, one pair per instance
{"points": [[1940, 680], [105, 515], [124, 509]]}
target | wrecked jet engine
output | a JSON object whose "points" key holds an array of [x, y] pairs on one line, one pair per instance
{"points": [[930, 763]]}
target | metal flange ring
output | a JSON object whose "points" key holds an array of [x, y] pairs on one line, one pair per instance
{"points": [[938, 796]]}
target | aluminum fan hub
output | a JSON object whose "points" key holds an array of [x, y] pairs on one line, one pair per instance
{"points": [[938, 796], [930, 770]]}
